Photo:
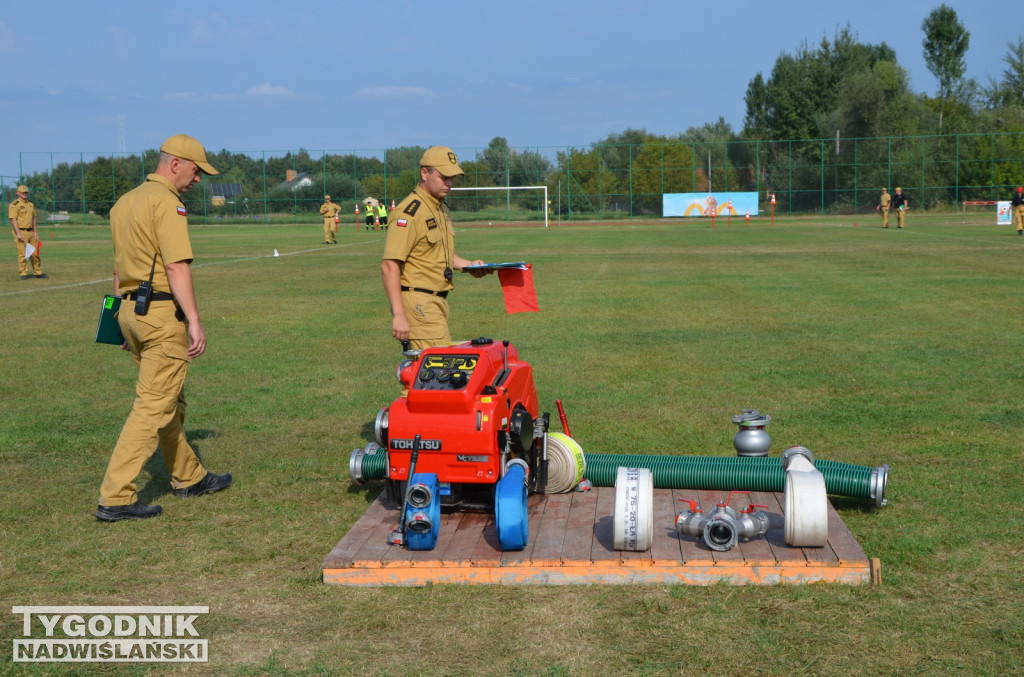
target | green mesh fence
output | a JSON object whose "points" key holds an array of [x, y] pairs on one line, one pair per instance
{"points": [[602, 182]]}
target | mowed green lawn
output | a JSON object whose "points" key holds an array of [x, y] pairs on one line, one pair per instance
{"points": [[868, 346]]}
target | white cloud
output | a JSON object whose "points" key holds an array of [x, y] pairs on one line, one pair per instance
{"points": [[395, 92], [178, 96], [267, 89]]}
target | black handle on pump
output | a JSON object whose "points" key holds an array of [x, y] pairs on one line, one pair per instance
{"points": [[398, 536]]}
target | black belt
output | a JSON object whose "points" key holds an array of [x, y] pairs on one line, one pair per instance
{"points": [[442, 294], [20, 228], [155, 296]]}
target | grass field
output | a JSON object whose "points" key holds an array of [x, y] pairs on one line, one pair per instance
{"points": [[867, 346]]}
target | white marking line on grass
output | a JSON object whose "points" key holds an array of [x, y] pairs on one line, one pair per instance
{"points": [[200, 265]]}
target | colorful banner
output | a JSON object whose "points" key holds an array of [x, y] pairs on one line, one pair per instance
{"points": [[701, 204], [1004, 213]]}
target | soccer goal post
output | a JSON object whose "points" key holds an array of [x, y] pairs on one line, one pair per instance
{"points": [[511, 188]]}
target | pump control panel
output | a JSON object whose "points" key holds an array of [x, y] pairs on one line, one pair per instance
{"points": [[445, 372]]}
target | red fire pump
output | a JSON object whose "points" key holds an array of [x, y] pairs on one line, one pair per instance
{"points": [[470, 417]]}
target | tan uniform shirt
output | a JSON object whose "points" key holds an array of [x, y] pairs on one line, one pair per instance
{"points": [[421, 235], [148, 220], [885, 200], [23, 213], [329, 209]]}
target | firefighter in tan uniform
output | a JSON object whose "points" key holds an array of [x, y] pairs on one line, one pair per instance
{"points": [[1018, 210], [419, 255], [152, 249], [883, 207], [22, 214], [329, 210]]}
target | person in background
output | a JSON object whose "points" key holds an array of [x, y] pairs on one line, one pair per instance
{"points": [[329, 210], [883, 207], [22, 214], [901, 204], [371, 214], [1018, 210]]}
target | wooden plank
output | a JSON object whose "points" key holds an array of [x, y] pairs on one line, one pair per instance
{"points": [[463, 544], [548, 550], [467, 551], [665, 542], [365, 528], [757, 551], [535, 506], [488, 549], [603, 546], [591, 575], [579, 532], [845, 546], [776, 537], [450, 521], [374, 551]]}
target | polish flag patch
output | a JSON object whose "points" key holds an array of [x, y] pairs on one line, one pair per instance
{"points": [[181, 211], [402, 223]]}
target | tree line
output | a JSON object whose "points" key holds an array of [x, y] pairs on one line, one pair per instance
{"points": [[838, 89]]}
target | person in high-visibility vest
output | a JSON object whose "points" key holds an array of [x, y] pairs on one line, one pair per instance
{"points": [[371, 215], [329, 210], [382, 215]]}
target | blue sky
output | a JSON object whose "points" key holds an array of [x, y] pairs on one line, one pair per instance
{"points": [[356, 76]]}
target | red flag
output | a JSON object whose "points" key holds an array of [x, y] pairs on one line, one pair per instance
{"points": [[517, 286]]}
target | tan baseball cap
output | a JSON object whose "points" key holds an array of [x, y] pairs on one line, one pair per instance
{"points": [[443, 160], [23, 188], [187, 148], [327, 197]]}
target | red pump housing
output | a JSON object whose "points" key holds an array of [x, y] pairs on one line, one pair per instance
{"points": [[474, 406]]}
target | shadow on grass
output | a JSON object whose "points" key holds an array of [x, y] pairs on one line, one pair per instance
{"points": [[159, 483], [851, 504]]}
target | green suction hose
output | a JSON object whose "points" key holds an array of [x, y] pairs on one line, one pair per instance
{"points": [[726, 473], [738, 473]]}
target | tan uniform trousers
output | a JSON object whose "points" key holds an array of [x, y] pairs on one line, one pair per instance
{"points": [[329, 228], [28, 237], [428, 320], [885, 216], [1018, 217], [899, 218], [159, 343]]}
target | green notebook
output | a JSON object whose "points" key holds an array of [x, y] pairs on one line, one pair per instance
{"points": [[108, 330]]}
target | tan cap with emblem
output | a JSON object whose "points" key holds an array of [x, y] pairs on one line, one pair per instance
{"points": [[443, 160], [22, 188], [187, 148]]}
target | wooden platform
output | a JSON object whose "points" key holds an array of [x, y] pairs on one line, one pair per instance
{"points": [[571, 543]]}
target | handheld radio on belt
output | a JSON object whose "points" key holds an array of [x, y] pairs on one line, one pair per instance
{"points": [[145, 292]]}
